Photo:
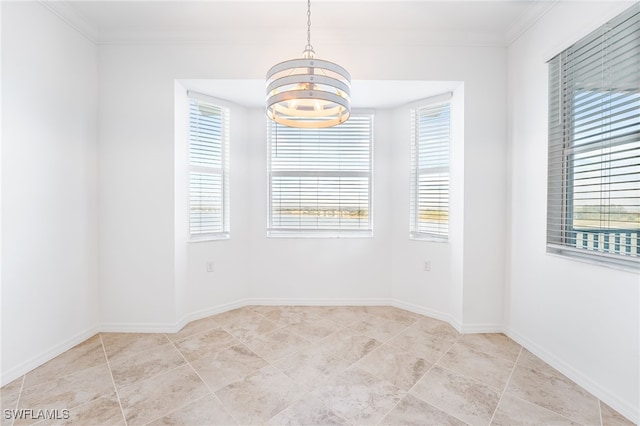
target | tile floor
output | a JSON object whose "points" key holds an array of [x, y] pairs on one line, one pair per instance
{"points": [[293, 365]]}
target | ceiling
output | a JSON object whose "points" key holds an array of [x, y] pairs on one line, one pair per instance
{"points": [[277, 23], [463, 22]]}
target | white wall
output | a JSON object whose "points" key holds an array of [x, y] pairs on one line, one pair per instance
{"points": [[49, 183], [581, 318], [137, 189]]}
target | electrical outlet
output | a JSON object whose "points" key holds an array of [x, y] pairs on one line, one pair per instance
{"points": [[426, 266], [209, 266]]}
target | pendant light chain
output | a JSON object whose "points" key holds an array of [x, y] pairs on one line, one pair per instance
{"points": [[309, 47]]}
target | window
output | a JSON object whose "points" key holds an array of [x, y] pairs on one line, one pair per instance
{"points": [[320, 179], [208, 169], [430, 134], [594, 145]]}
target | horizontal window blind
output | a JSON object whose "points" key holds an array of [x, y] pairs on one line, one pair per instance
{"points": [[320, 179], [429, 207], [594, 145], [208, 169]]}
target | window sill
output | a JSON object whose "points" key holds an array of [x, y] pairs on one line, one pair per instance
{"points": [[428, 238], [319, 234], [210, 237], [620, 263]]}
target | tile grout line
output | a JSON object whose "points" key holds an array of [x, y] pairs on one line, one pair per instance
{"points": [[269, 364], [600, 412], [504, 390], [422, 377], [104, 351], [203, 382], [312, 343], [535, 404], [24, 378], [473, 348]]}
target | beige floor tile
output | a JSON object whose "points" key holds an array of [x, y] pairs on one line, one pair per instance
{"points": [[259, 396], [250, 327], [425, 345], [12, 387], [462, 397], [261, 309], [203, 344], [194, 327], [160, 395], [144, 365], [103, 411], [233, 315], [554, 392], [395, 365], [312, 366], [394, 314], [485, 368], [312, 329], [121, 345], [529, 360], [85, 355], [308, 411], [436, 327], [8, 401], [227, 366], [358, 396], [413, 412], [611, 417], [69, 391], [206, 411], [349, 346], [343, 315], [287, 315], [277, 344], [305, 365], [493, 344], [378, 328], [514, 411]]}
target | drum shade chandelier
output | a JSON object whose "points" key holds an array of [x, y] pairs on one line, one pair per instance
{"points": [[308, 92]]}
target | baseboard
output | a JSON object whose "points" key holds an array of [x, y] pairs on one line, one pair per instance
{"points": [[482, 328], [432, 313], [319, 302], [138, 327], [36, 361], [203, 313], [630, 412]]}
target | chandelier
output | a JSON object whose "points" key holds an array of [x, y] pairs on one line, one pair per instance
{"points": [[308, 92]]}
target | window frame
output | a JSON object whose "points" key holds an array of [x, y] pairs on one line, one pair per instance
{"points": [[274, 232], [223, 171], [416, 172], [562, 235]]}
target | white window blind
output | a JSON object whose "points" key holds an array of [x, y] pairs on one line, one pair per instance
{"points": [[594, 145], [208, 168], [430, 137], [320, 179]]}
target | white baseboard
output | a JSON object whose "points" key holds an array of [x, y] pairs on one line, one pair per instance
{"points": [[606, 396], [203, 313], [319, 302], [432, 313], [137, 327], [482, 328], [36, 361]]}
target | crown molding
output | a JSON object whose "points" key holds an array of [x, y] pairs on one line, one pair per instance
{"points": [[530, 16], [72, 17], [292, 39], [69, 15]]}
